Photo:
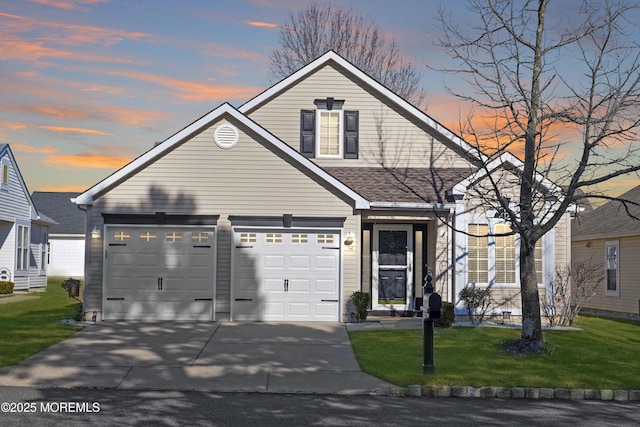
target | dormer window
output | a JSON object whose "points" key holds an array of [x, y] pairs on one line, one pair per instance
{"points": [[329, 131]]}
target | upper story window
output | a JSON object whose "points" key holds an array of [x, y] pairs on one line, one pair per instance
{"points": [[329, 131], [329, 134], [4, 182]]}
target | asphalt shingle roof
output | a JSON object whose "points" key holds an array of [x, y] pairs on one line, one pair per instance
{"points": [[404, 185], [58, 206], [609, 220]]}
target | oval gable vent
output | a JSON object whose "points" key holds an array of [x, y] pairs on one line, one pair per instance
{"points": [[226, 136]]}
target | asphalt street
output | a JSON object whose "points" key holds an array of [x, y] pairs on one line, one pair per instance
{"points": [[100, 407]]}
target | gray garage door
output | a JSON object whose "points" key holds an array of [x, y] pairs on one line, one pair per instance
{"points": [[159, 273]]}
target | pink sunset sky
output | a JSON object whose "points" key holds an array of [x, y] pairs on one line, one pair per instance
{"points": [[88, 85]]}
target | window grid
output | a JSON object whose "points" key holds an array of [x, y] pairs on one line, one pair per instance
{"points": [[325, 239], [199, 237], [248, 237], [538, 260], [329, 133], [148, 236], [612, 265], [478, 247], [273, 238], [300, 238], [172, 236], [5, 174], [23, 248], [121, 236]]}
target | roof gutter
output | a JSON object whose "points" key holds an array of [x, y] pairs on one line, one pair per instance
{"points": [[411, 206]]}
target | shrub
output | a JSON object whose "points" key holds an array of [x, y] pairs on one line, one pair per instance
{"points": [[477, 301], [447, 315], [361, 302], [6, 287]]}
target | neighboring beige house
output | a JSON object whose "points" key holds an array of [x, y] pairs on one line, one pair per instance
{"points": [[609, 236], [23, 231], [325, 184]]}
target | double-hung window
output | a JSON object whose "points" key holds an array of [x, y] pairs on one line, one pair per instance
{"points": [[22, 240], [478, 247], [505, 254], [329, 133]]}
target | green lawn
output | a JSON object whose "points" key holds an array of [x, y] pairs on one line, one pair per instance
{"points": [[604, 355], [28, 325]]}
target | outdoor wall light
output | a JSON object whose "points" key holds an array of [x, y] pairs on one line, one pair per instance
{"points": [[95, 233], [350, 239]]}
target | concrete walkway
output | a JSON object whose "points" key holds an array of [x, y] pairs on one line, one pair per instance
{"points": [[254, 357]]}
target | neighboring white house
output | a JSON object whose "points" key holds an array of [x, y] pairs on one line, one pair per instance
{"points": [[23, 231], [325, 184], [65, 254]]}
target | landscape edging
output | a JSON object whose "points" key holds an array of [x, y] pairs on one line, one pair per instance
{"points": [[520, 393]]}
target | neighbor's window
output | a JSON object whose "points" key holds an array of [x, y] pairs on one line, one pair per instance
{"points": [[478, 247], [43, 251], [612, 263], [5, 174], [329, 133], [505, 255], [23, 247]]}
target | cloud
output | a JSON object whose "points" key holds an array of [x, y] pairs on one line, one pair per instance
{"points": [[14, 125], [86, 161], [191, 91], [68, 4], [25, 148], [261, 24], [64, 129]]}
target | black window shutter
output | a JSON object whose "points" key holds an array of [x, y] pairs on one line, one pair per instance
{"points": [[308, 133], [351, 134]]}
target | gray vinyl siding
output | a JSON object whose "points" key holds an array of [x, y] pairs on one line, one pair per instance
{"points": [[629, 299], [200, 178], [16, 208], [407, 144], [14, 203]]}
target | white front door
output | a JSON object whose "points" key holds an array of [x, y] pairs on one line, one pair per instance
{"points": [[392, 286], [286, 275]]}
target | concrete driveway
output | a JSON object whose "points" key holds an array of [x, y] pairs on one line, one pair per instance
{"points": [[259, 357]]}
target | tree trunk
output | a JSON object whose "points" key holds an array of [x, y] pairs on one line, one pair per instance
{"points": [[531, 320]]}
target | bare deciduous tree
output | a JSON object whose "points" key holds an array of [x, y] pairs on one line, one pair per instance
{"points": [[319, 28], [557, 83], [572, 286]]}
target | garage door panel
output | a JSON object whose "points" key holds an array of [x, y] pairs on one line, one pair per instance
{"points": [[300, 309], [158, 274], [299, 286], [300, 261], [287, 278], [326, 262], [326, 287], [274, 262]]}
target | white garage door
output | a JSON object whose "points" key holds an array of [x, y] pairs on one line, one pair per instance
{"points": [[286, 276], [158, 273]]}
